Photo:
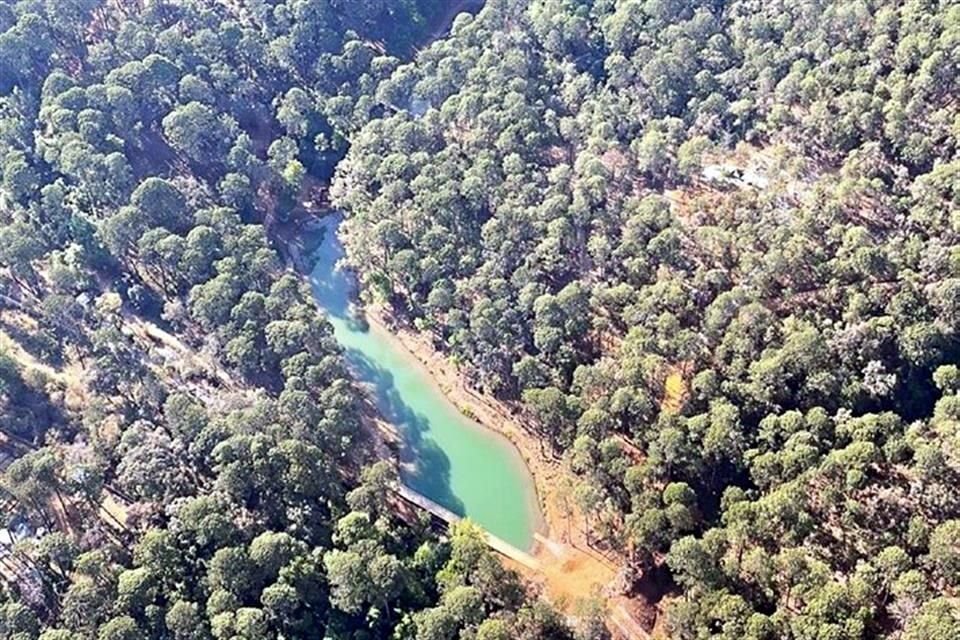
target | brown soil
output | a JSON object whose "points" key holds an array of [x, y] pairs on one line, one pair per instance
{"points": [[574, 576], [570, 570], [70, 377], [675, 388], [554, 482]]}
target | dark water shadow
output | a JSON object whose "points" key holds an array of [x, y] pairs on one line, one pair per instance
{"points": [[425, 467], [334, 289]]}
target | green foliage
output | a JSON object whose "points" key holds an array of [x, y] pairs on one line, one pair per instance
{"points": [[710, 249], [192, 435]]}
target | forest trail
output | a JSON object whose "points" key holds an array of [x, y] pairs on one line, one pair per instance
{"points": [[70, 376], [26, 359], [620, 618], [150, 333]]}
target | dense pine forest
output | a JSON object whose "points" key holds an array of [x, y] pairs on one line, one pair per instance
{"points": [[708, 251], [181, 438], [724, 234]]}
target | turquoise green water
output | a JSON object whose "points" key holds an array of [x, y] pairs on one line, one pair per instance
{"points": [[452, 460]]}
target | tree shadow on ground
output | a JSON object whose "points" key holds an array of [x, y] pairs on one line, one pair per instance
{"points": [[37, 343]]}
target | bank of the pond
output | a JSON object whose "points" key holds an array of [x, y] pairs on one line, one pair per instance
{"points": [[570, 571], [553, 483], [453, 460]]}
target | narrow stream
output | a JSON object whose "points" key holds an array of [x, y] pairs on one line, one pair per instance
{"points": [[454, 461]]}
